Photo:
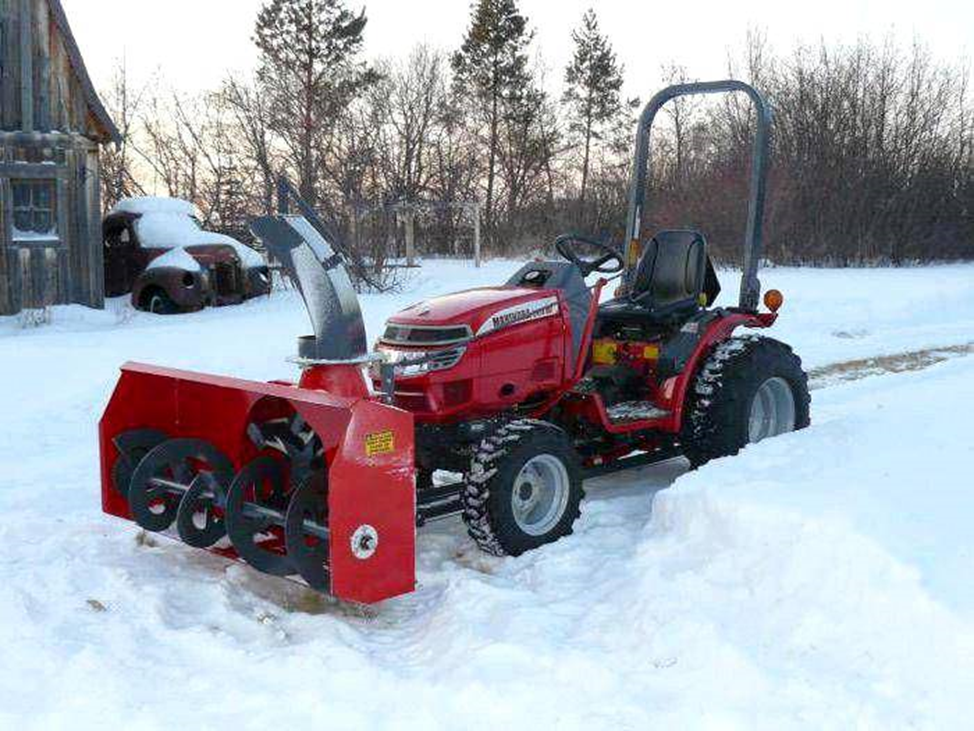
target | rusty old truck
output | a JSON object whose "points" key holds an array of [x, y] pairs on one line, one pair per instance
{"points": [[157, 250]]}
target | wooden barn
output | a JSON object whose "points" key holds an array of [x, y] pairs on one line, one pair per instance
{"points": [[51, 127]]}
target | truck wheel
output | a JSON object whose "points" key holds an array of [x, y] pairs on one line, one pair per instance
{"points": [[749, 389], [159, 303], [524, 488]]}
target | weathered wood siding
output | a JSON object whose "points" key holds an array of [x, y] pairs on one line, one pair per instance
{"points": [[59, 100], [50, 126], [69, 268]]}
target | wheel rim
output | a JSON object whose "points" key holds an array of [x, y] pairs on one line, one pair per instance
{"points": [[772, 410], [540, 494], [156, 305]]}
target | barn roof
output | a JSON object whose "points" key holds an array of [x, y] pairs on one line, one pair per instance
{"points": [[109, 132]]}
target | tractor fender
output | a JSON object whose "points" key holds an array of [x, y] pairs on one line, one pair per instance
{"points": [[683, 356]]}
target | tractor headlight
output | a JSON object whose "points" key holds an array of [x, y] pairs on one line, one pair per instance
{"points": [[418, 362]]}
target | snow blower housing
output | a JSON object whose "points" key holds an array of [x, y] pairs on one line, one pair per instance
{"points": [[520, 390]]}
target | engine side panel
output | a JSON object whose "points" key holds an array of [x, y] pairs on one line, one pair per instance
{"points": [[514, 357]]}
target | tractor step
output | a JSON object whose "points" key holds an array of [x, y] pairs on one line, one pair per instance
{"points": [[435, 503], [629, 411], [641, 459]]}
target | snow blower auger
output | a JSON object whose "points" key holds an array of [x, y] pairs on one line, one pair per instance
{"points": [[314, 480], [513, 394]]}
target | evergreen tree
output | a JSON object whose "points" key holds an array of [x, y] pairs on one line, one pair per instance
{"points": [[491, 70], [309, 64], [593, 89]]}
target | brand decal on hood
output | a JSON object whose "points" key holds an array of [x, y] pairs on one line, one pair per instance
{"points": [[534, 310]]}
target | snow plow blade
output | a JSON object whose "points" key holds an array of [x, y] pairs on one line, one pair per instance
{"points": [[295, 481]]}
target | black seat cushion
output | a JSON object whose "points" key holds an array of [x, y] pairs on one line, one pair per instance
{"points": [[673, 271]]}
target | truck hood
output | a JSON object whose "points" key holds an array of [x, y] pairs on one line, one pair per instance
{"points": [[214, 253], [192, 258], [483, 310]]}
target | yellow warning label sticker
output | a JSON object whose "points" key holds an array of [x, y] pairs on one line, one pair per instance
{"points": [[604, 352], [381, 442]]}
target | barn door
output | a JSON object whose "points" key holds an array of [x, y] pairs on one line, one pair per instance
{"points": [[37, 275], [36, 257]]}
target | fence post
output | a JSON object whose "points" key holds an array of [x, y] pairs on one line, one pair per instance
{"points": [[283, 196], [476, 234], [409, 216]]}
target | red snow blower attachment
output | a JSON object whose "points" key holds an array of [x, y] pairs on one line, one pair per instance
{"points": [[313, 479]]}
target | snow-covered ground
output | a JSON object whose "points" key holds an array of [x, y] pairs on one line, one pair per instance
{"points": [[819, 580]]}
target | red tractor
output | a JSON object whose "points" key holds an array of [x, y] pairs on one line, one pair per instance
{"points": [[521, 391]]}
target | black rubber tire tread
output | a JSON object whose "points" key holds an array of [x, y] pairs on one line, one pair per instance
{"points": [[715, 420], [486, 496]]}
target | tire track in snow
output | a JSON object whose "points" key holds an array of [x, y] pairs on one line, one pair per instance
{"points": [[860, 368]]}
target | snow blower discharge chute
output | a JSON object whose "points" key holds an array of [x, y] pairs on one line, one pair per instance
{"points": [[514, 394]]}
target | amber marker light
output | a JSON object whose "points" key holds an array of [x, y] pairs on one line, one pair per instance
{"points": [[773, 300]]}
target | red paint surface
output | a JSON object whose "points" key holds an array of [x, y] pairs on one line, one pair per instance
{"points": [[378, 490]]}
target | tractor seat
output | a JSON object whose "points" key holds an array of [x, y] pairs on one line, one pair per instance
{"points": [[672, 274]]}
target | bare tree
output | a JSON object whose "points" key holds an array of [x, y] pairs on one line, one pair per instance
{"points": [[118, 179], [873, 144]]}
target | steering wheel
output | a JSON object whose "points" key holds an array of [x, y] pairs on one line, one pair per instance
{"points": [[611, 261]]}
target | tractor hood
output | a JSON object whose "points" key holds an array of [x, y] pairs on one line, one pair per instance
{"points": [[482, 310]]}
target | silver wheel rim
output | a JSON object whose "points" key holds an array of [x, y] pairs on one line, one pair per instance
{"points": [[540, 494], [772, 410], [155, 305]]}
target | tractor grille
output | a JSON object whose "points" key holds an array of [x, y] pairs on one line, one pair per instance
{"points": [[440, 360], [415, 362], [426, 334]]}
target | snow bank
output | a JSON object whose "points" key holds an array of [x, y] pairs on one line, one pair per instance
{"points": [[838, 314], [177, 258], [818, 580], [791, 620]]}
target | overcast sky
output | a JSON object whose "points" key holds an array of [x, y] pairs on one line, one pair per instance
{"points": [[196, 42]]}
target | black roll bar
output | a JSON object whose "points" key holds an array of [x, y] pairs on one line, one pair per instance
{"points": [[750, 284]]}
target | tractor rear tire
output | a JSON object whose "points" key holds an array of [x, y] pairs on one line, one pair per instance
{"points": [[749, 388], [524, 488]]}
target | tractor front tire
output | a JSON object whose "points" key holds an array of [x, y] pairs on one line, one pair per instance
{"points": [[524, 488], [749, 388]]}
